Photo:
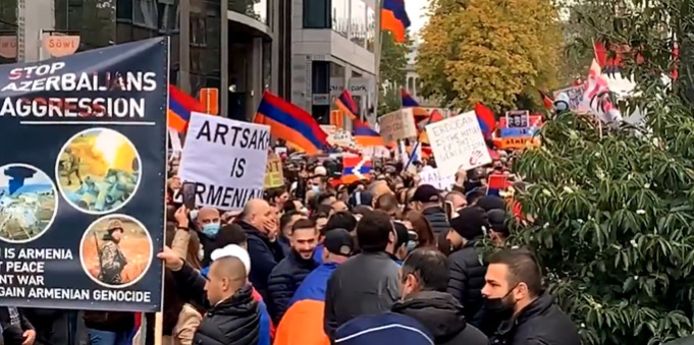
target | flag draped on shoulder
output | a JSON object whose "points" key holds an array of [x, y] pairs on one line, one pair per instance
{"points": [[291, 123], [179, 108], [394, 19], [346, 103]]}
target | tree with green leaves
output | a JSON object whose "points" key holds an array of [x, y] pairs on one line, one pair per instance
{"points": [[612, 206], [392, 69]]}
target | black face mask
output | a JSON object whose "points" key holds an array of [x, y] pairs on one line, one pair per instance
{"points": [[502, 307]]}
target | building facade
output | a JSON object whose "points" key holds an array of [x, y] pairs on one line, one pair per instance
{"points": [[333, 47], [238, 46]]}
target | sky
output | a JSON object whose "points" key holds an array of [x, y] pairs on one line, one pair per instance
{"points": [[39, 178], [417, 10]]}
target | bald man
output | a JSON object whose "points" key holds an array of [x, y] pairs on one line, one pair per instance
{"points": [[265, 250], [208, 223], [232, 315]]}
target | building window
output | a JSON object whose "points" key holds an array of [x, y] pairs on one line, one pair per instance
{"points": [[145, 14], [93, 20], [357, 32], [370, 28], [168, 16], [256, 9], [8, 32], [198, 30], [340, 16], [316, 14]]}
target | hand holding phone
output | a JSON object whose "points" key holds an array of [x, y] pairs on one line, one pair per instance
{"points": [[189, 195]]}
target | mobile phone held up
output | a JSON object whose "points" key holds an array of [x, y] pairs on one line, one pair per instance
{"points": [[189, 195]]}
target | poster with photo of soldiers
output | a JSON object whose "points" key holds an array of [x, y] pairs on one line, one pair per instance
{"points": [[82, 175], [518, 119]]}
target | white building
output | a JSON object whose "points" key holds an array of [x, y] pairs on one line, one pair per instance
{"points": [[333, 46]]}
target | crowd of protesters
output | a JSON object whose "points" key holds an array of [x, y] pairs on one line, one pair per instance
{"points": [[321, 262]]}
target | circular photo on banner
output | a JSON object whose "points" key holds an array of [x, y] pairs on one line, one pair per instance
{"points": [[98, 171], [28, 203], [116, 251]]}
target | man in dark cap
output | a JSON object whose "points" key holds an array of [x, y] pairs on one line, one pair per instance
{"points": [[491, 202], [112, 261], [466, 267], [428, 201], [498, 229]]}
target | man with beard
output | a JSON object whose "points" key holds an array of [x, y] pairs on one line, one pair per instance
{"points": [[424, 278], [111, 258], [514, 296], [291, 271]]}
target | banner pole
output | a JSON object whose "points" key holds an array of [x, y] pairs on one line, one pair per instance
{"points": [[158, 328]]}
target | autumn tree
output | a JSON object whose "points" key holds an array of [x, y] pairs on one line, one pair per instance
{"points": [[613, 206], [489, 51]]}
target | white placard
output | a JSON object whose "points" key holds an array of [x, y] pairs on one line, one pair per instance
{"points": [[226, 158], [397, 125], [457, 142], [175, 140], [431, 176]]}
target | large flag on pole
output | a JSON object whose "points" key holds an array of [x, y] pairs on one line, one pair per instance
{"points": [[395, 20]]}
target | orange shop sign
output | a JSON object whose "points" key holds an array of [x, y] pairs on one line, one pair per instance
{"points": [[512, 143], [61, 45]]}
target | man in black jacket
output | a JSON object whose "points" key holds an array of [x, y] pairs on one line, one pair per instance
{"points": [[424, 278], [428, 201], [513, 293], [368, 282], [15, 328], [466, 266], [232, 317], [291, 271], [263, 246]]}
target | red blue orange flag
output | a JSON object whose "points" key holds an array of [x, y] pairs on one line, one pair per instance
{"points": [[364, 136], [355, 168], [180, 107], [485, 117], [547, 101], [291, 123], [395, 20], [407, 100], [346, 103]]}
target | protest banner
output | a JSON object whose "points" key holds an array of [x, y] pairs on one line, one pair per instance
{"points": [[457, 142], [397, 125], [575, 96], [516, 143], [274, 176], [82, 179], [226, 160], [517, 119], [431, 176]]}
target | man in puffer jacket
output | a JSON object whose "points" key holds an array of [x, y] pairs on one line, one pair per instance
{"points": [[232, 317], [424, 282], [467, 269]]}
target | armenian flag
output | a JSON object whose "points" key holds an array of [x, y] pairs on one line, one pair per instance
{"points": [[180, 107], [407, 100], [350, 164], [346, 103], [547, 101], [291, 123], [364, 136], [394, 19], [485, 116]]}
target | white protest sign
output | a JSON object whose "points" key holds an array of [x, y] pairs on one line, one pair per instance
{"points": [[397, 125], [340, 137], [376, 151], [431, 176], [226, 159], [457, 142]]}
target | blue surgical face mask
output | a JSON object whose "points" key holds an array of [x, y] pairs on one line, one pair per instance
{"points": [[315, 189], [210, 230], [411, 245]]}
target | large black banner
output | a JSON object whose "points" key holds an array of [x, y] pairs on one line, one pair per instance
{"points": [[82, 169]]}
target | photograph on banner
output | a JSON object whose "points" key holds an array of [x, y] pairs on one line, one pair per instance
{"points": [[226, 184], [397, 125], [457, 142], [65, 167], [575, 96], [518, 119], [274, 174]]}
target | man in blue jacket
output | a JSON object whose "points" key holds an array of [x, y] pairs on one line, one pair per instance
{"points": [[339, 246]]}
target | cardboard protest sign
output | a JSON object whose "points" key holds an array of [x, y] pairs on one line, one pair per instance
{"points": [[457, 142], [274, 176], [82, 179], [397, 125], [226, 159]]}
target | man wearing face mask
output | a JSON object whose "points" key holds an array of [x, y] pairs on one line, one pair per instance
{"points": [[291, 271], [208, 222], [256, 221], [424, 278], [514, 295]]}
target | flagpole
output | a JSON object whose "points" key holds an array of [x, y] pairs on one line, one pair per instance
{"points": [[378, 51]]}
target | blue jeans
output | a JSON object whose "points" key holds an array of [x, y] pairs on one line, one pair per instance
{"points": [[97, 337]]}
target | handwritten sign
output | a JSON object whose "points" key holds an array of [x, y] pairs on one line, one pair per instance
{"points": [[458, 142], [274, 177], [431, 176], [398, 125]]}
